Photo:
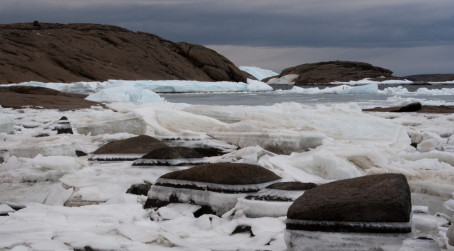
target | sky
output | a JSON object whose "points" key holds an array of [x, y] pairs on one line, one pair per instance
{"points": [[405, 36]]}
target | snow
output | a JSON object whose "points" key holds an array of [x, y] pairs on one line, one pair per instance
{"points": [[258, 73], [71, 202]]}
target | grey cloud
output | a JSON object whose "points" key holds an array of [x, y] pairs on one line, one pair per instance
{"points": [[345, 23], [402, 61]]}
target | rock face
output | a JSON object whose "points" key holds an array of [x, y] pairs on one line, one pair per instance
{"points": [[128, 149], [331, 71], [20, 96], [217, 186], [49, 52]]}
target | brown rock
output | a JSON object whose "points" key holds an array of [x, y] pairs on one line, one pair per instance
{"points": [[140, 144], [292, 186], [225, 173], [331, 71], [38, 97], [374, 198], [49, 52], [424, 109]]}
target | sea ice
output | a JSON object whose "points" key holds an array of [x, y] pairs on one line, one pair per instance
{"points": [[125, 94], [258, 73], [6, 123]]}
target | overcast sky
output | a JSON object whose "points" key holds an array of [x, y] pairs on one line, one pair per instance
{"points": [[406, 36]]}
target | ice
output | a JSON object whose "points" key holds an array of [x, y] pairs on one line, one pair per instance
{"points": [[253, 207], [133, 88], [367, 81], [342, 89], [6, 123], [125, 94], [258, 73], [4, 209], [38, 172], [109, 122], [284, 80], [257, 86], [218, 201]]}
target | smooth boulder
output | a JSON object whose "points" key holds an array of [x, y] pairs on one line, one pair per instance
{"points": [[216, 185], [127, 149]]}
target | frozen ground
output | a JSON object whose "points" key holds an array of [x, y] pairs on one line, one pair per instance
{"points": [[69, 202]]}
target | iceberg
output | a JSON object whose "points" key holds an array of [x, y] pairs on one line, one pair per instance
{"points": [[258, 73], [125, 94]]}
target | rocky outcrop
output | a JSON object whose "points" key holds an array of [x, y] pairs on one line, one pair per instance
{"points": [[49, 52], [332, 71], [422, 109], [38, 97]]}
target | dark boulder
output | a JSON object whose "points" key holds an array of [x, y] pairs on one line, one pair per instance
{"points": [[127, 149], [292, 186], [225, 173], [214, 185], [63, 126], [413, 107], [368, 199], [140, 189]]}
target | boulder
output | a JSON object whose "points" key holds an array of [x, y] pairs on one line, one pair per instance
{"points": [[215, 185], [127, 149], [413, 107], [172, 156], [140, 189], [332, 71], [274, 200], [63, 126], [353, 214], [50, 52]]}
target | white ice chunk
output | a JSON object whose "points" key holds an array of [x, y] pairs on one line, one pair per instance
{"points": [[125, 94], [284, 80], [6, 123], [257, 72], [104, 122], [4, 209], [257, 86], [58, 195]]}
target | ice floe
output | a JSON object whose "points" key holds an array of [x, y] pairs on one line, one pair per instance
{"points": [[258, 73]]}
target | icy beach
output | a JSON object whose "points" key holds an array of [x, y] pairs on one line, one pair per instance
{"points": [[56, 197]]}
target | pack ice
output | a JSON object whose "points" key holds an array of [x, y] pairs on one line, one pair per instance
{"points": [[84, 202]]}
